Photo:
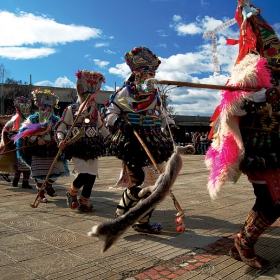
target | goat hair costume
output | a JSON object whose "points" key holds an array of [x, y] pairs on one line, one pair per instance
{"points": [[227, 151]]}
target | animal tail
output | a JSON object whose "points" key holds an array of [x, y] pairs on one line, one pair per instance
{"points": [[110, 231]]}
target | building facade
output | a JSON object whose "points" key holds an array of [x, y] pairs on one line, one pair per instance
{"points": [[8, 92]]}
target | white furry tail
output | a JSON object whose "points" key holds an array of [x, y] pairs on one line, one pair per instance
{"points": [[110, 231]]}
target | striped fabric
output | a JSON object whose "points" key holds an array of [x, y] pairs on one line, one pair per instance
{"points": [[139, 119], [254, 226], [40, 167]]}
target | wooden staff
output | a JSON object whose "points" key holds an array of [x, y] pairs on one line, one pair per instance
{"points": [[208, 86], [37, 201], [14, 150], [175, 201]]}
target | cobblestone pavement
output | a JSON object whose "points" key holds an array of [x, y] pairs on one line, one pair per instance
{"points": [[51, 242]]}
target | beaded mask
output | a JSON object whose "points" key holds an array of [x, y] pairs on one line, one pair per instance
{"points": [[23, 105], [143, 64], [46, 102]]}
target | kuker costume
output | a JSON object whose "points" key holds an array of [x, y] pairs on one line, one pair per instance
{"points": [[38, 131], [87, 142], [140, 104], [22, 106], [246, 129]]}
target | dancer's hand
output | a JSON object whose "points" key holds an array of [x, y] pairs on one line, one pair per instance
{"points": [[41, 141], [62, 145]]}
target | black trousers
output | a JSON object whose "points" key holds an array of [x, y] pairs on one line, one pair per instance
{"points": [[86, 181], [265, 203]]}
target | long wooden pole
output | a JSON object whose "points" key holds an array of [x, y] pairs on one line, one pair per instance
{"points": [[207, 86], [37, 201], [14, 150]]}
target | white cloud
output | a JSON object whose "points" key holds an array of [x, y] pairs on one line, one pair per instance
{"points": [[276, 27], [197, 67], [190, 28], [45, 83], [26, 29], [25, 53], [204, 3], [62, 82], [99, 45], [108, 88], [185, 64], [194, 101], [201, 25], [120, 70], [100, 63], [177, 18], [161, 33], [109, 52]]}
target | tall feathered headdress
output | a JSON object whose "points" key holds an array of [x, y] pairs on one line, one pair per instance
{"points": [[45, 98], [141, 57]]}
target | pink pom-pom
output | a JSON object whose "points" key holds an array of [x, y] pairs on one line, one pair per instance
{"points": [[79, 74]]}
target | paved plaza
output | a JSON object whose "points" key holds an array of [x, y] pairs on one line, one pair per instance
{"points": [[51, 242]]}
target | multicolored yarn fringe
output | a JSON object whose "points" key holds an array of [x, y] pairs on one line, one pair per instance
{"points": [[33, 129], [227, 150]]}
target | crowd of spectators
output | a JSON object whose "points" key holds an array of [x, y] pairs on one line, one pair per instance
{"points": [[199, 140]]}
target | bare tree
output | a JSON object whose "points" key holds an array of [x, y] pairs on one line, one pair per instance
{"points": [[3, 73], [165, 92]]}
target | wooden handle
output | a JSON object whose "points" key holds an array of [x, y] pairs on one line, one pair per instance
{"points": [[14, 150], [177, 205]]}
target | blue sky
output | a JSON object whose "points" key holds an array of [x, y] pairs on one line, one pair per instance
{"points": [[52, 39]]}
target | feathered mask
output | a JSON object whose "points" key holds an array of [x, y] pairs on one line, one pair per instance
{"points": [[88, 81], [45, 98]]}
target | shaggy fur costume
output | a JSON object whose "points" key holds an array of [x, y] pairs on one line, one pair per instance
{"points": [[110, 231], [227, 150]]}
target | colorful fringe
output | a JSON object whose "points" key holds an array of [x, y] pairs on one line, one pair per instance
{"points": [[227, 150]]}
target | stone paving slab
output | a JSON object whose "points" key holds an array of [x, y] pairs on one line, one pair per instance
{"points": [[51, 242]]}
